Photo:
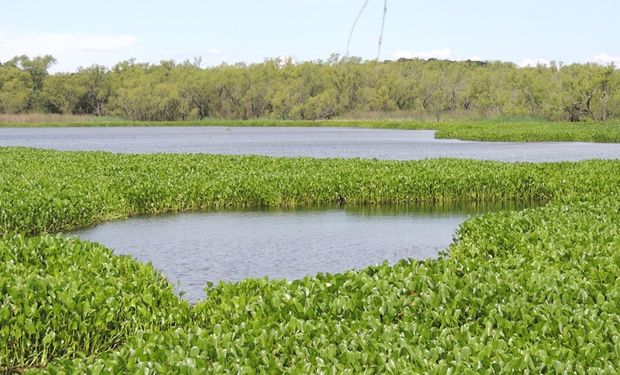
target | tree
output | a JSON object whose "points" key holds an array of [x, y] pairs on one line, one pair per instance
{"points": [[95, 90], [61, 94], [15, 89], [282, 88], [37, 67]]}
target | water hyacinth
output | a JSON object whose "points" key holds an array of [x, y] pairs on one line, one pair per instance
{"points": [[518, 291]]}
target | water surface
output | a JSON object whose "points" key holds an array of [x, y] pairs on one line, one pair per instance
{"points": [[299, 141], [192, 249]]}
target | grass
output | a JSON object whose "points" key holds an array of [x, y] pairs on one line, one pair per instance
{"points": [[518, 291], [503, 129], [35, 119]]}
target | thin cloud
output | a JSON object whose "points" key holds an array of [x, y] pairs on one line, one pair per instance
{"points": [[443, 53], [213, 52], [70, 49], [605, 59], [49, 43], [527, 62]]}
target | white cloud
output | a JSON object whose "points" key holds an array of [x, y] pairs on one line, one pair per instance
{"points": [[213, 52], [284, 60], [605, 59], [443, 53], [71, 50], [527, 62]]}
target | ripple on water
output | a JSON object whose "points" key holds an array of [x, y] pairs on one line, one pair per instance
{"points": [[192, 249]]}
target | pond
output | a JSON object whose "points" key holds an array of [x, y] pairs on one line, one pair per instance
{"points": [[191, 249], [298, 141]]}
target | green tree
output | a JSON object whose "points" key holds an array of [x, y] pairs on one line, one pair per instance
{"points": [[61, 94], [95, 89], [15, 89], [281, 88], [38, 68]]}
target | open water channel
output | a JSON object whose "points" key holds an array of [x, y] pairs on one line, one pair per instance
{"points": [[299, 141], [192, 249]]}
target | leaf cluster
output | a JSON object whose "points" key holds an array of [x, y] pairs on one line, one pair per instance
{"points": [[518, 291]]}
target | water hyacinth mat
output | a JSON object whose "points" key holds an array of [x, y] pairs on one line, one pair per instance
{"points": [[535, 290]]}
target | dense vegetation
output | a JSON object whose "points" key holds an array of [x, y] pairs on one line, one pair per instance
{"points": [[337, 87], [534, 290]]}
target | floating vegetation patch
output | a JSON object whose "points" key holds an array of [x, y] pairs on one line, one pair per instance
{"points": [[518, 291]]}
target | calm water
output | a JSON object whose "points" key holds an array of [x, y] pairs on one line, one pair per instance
{"points": [[291, 142], [194, 248]]}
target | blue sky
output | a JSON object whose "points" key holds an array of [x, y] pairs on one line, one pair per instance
{"points": [[83, 32]]}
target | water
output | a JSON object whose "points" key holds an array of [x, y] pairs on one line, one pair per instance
{"points": [[294, 142], [193, 248]]}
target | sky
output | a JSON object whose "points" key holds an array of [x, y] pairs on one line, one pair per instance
{"points": [[84, 32]]}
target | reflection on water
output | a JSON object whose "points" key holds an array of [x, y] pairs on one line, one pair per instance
{"points": [[452, 208], [194, 248]]}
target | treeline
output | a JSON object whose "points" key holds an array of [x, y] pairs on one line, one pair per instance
{"points": [[336, 87]]}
